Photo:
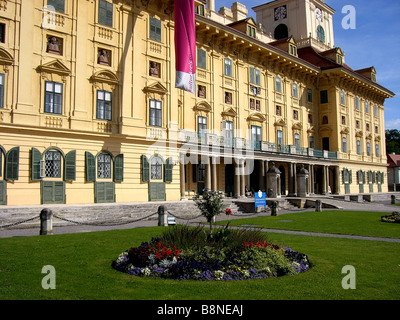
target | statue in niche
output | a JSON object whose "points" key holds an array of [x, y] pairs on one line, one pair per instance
{"points": [[154, 72], [201, 93], [228, 98], [53, 45], [103, 57]]}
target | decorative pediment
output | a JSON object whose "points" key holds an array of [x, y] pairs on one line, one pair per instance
{"points": [[202, 106], [280, 123], [156, 87], [297, 126], [377, 138], [368, 136], [55, 66], [5, 57], [229, 113], [105, 76], [359, 134], [311, 130], [345, 130], [256, 117], [325, 129]]}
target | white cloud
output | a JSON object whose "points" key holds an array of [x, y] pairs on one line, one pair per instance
{"points": [[393, 124]]}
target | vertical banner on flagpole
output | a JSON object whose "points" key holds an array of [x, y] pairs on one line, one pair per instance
{"points": [[185, 45]]}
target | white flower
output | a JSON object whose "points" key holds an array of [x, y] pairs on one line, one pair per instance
{"points": [[146, 271], [218, 275], [246, 273]]}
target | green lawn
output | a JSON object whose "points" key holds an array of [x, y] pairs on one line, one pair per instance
{"points": [[82, 263], [337, 222]]}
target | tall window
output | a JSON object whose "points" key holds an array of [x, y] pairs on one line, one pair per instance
{"points": [[256, 137], [202, 126], [155, 29], [297, 140], [255, 76], [368, 148], [321, 34], [295, 91], [104, 166], [52, 164], [311, 142], [279, 137], [377, 150], [105, 13], [344, 144], [357, 103], [53, 97], [324, 96], [278, 84], [2, 77], [201, 58], [342, 98], [366, 107], [104, 105], [2, 33], [155, 113], [309, 95], [228, 67], [58, 5], [375, 110], [358, 147], [227, 131]]}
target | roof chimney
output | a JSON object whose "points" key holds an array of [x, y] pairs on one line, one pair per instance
{"points": [[239, 11]]}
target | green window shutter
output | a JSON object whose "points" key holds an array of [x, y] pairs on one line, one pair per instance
{"points": [[53, 192], [382, 177], [70, 166], [351, 177], [35, 164], [3, 192], [12, 164], [90, 162], [168, 170], [104, 192], [145, 169], [119, 168], [363, 178]]}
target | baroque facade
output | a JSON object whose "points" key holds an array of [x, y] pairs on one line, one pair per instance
{"points": [[89, 112]]}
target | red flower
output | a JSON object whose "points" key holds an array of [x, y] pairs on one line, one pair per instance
{"points": [[228, 212]]}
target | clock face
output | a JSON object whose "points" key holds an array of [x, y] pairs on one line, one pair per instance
{"points": [[318, 13], [280, 13]]}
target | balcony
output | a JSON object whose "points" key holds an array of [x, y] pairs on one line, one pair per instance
{"points": [[187, 136]]}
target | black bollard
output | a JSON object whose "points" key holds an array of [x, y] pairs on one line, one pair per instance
{"points": [[46, 222]]}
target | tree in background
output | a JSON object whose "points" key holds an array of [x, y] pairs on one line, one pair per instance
{"points": [[392, 141]]}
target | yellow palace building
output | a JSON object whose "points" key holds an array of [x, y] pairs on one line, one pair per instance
{"points": [[89, 111]]}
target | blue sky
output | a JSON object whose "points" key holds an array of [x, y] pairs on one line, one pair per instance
{"points": [[374, 42]]}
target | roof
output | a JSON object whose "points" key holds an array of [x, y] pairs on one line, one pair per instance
{"points": [[393, 160]]}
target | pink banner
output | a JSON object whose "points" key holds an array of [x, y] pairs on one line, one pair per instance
{"points": [[185, 45]]}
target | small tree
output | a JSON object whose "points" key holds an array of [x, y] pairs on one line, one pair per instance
{"points": [[210, 206]]}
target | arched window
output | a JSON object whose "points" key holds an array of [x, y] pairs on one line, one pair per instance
{"points": [[156, 168], [281, 32], [52, 164], [321, 34], [104, 165]]}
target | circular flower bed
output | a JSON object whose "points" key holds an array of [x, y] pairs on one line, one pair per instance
{"points": [[214, 261], [393, 218]]}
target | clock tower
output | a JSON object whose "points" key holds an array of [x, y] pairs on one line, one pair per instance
{"points": [[308, 21]]}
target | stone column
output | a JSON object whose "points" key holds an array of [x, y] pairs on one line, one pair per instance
{"points": [[337, 180], [237, 180], [46, 222], [261, 176], [214, 174], [266, 168], [324, 178], [242, 179], [182, 178], [208, 174]]}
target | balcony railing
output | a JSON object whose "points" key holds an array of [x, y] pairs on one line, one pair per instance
{"points": [[259, 146]]}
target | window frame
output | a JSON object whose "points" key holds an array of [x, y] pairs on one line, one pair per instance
{"points": [[104, 110], [295, 90], [228, 67], [201, 59], [52, 94], [101, 166], [155, 114], [155, 29], [57, 5], [278, 84], [106, 22], [358, 143]]}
